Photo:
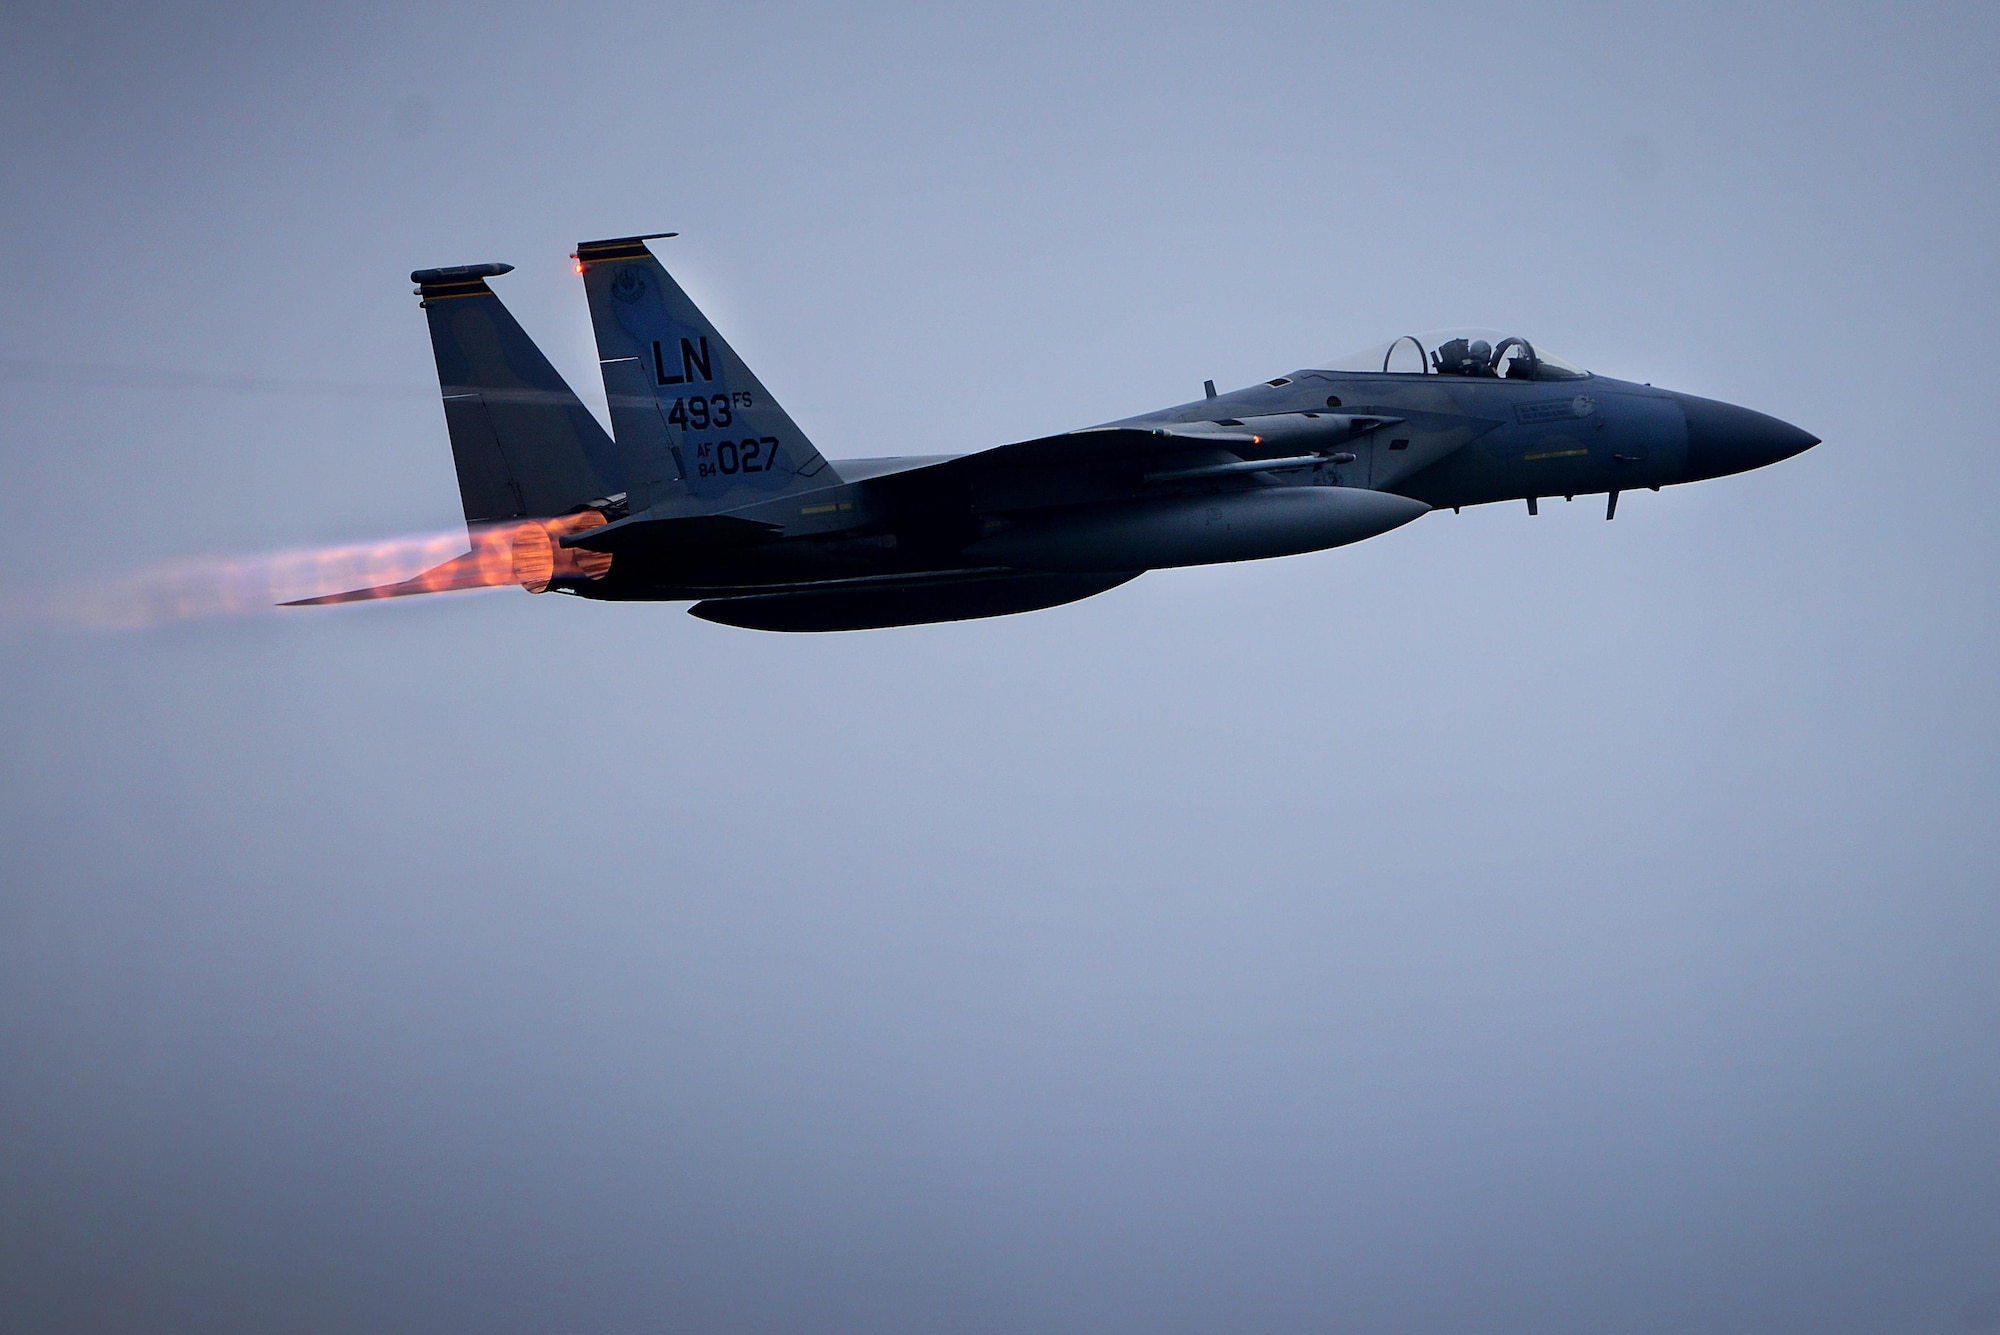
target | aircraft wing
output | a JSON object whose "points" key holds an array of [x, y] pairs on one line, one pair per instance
{"points": [[1103, 444], [1272, 436]]}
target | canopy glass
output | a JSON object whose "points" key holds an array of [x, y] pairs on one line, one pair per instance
{"points": [[1485, 354]]}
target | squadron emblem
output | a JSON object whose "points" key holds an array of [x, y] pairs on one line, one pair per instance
{"points": [[628, 286]]}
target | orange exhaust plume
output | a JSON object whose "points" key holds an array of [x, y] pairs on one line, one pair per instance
{"points": [[539, 560], [513, 553], [501, 554]]}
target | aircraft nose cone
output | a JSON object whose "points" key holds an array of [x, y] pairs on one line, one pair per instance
{"points": [[1724, 439]]}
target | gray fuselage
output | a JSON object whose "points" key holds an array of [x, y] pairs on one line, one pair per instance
{"points": [[1416, 441]]}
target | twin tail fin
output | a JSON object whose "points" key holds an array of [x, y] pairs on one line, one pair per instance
{"points": [[525, 446], [533, 464], [697, 432]]}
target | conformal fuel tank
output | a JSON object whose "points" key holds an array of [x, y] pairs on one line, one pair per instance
{"points": [[1193, 530]]}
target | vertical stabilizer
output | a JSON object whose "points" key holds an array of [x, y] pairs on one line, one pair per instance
{"points": [[696, 431], [525, 446]]}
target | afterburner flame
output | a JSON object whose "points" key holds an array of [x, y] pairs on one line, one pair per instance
{"points": [[539, 559], [197, 588], [527, 554]]}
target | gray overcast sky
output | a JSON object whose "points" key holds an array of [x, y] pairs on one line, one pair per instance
{"points": [[1503, 925]]}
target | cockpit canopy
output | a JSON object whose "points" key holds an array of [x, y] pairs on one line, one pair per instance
{"points": [[1484, 354]]}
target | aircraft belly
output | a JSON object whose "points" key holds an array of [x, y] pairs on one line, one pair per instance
{"points": [[763, 563], [999, 594]]}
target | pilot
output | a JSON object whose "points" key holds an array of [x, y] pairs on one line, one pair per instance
{"points": [[1458, 357]]}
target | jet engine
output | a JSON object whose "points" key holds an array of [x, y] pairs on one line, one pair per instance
{"points": [[539, 559]]}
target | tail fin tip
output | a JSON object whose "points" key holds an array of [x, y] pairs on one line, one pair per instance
{"points": [[616, 248], [459, 273], [457, 280]]}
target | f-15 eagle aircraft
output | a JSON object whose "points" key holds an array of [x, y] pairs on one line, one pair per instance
{"points": [[706, 491]]}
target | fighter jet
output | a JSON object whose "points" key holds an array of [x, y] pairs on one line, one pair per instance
{"points": [[707, 492]]}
